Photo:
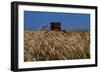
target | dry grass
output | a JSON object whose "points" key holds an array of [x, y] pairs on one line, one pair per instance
{"points": [[56, 45]]}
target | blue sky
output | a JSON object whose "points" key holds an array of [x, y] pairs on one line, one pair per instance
{"points": [[69, 21]]}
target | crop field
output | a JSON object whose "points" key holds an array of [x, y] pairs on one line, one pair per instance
{"points": [[56, 45]]}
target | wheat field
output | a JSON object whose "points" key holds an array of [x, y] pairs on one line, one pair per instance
{"points": [[56, 45]]}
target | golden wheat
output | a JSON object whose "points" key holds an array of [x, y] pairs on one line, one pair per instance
{"points": [[56, 45]]}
